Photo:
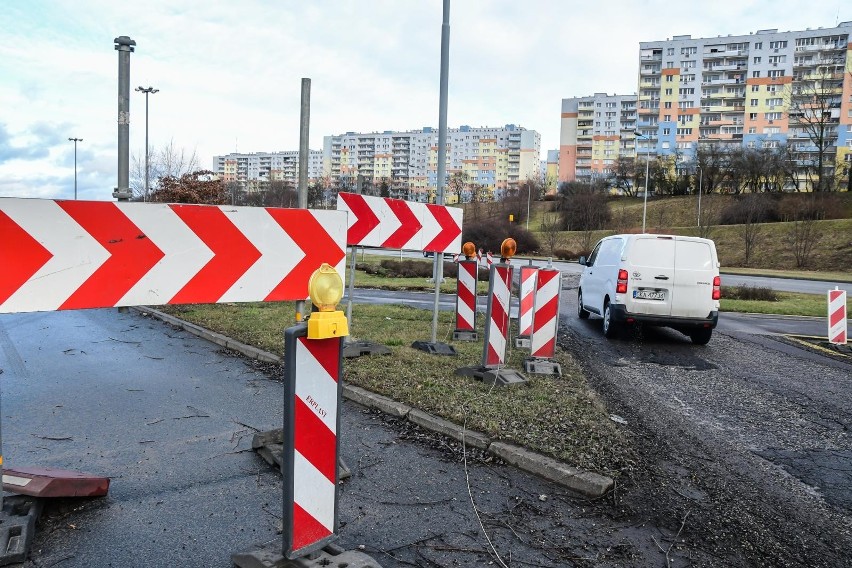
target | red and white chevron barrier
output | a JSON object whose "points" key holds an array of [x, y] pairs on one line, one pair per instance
{"points": [[490, 258], [311, 423], [60, 255], [837, 325], [497, 315], [466, 301], [545, 324], [525, 313], [396, 224]]}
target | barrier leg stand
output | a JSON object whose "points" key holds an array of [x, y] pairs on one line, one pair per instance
{"points": [[545, 323], [466, 301], [493, 369], [525, 309], [351, 347], [313, 361]]}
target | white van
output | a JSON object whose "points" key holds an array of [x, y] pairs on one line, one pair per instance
{"points": [[664, 280]]}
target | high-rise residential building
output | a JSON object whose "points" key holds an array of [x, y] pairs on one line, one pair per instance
{"points": [[254, 171], [767, 89], [550, 175], [406, 163], [595, 131]]}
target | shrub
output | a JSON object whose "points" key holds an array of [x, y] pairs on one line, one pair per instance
{"points": [[751, 208], [489, 235], [758, 293]]}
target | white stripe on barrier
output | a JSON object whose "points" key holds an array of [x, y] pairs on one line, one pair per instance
{"points": [[318, 390], [314, 492]]}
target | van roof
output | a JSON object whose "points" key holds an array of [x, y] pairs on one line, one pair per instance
{"points": [[632, 236]]}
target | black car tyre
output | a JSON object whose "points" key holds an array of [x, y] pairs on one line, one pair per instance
{"points": [[701, 336], [610, 328], [582, 313]]}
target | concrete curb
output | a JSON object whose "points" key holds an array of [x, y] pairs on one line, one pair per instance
{"points": [[580, 481]]}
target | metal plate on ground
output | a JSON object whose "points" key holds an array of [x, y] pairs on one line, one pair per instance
{"points": [[270, 446], [51, 482], [502, 377], [436, 348], [269, 556], [540, 366], [462, 335], [352, 349]]}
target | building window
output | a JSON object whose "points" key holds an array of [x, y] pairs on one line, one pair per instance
{"points": [[776, 73], [669, 78], [775, 102], [667, 104], [754, 102], [684, 131], [668, 91], [670, 51], [758, 45], [752, 116], [755, 74], [777, 44], [755, 88], [757, 60], [667, 118], [752, 130], [667, 131], [773, 116]]}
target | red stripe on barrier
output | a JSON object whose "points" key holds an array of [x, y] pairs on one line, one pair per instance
{"points": [[326, 352], [233, 254], [306, 529], [546, 313], [366, 219], [21, 261], [315, 441], [409, 226], [318, 246], [449, 229], [837, 316], [132, 254]]}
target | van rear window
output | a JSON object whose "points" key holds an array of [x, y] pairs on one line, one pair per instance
{"points": [[692, 255], [653, 252]]}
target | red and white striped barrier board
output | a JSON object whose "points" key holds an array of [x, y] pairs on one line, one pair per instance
{"points": [[466, 301], [479, 255], [311, 423], [546, 317], [61, 255], [837, 316], [497, 315], [527, 297], [396, 224], [490, 258]]}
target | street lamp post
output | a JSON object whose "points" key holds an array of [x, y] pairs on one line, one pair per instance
{"points": [[700, 179], [529, 192], [147, 91], [647, 163], [75, 140]]}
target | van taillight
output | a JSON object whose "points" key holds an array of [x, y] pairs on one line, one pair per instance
{"points": [[717, 287], [621, 285]]}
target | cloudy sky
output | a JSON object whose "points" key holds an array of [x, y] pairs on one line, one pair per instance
{"points": [[229, 73]]}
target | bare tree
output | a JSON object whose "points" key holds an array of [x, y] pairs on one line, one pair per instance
{"points": [[551, 229], [200, 186], [584, 208], [625, 175], [458, 184], [169, 161], [753, 208], [814, 109], [712, 160]]}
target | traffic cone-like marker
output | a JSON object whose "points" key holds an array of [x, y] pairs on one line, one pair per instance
{"points": [[545, 324], [529, 276], [466, 296], [493, 369], [837, 316], [313, 361]]}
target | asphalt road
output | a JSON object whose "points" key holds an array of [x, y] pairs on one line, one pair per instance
{"points": [[169, 418]]}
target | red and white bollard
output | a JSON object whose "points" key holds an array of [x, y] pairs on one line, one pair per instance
{"points": [[545, 324], [497, 315], [837, 326], [490, 259], [525, 309], [466, 301]]}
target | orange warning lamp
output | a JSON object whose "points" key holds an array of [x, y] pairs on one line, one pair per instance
{"points": [[469, 249], [508, 248], [326, 289]]}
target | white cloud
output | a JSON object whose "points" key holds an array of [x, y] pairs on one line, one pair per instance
{"points": [[230, 74]]}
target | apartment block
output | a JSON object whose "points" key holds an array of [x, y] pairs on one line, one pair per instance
{"points": [[755, 91], [254, 171], [407, 162]]}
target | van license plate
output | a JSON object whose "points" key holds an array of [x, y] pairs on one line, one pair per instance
{"points": [[649, 295]]}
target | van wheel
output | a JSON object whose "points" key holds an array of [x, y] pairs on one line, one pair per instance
{"points": [[582, 313], [701, 336], [610, 328]]}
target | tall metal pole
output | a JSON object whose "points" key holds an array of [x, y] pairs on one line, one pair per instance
{"points": [[75, 140], [147, 91], [647, 163], [529, 192], [124, 46], [438, 270], [700, 179], [304, 129]]}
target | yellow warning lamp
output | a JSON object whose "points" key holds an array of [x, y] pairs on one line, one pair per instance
{"points": [[469, 250], [326, 289], [507, 249]]}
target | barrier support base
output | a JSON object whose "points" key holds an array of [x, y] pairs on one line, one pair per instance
{"points": [[436, 348], [502, 377], [270, 446], [523, 342], [269, 556], [539, 366], [17, 527], [464, 335], [352, 349]]}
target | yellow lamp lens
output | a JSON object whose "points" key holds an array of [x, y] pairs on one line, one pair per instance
{"points": [[508, 248], [325, 288], [468, 249]]}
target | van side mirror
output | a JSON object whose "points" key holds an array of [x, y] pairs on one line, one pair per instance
{"points": [[582, 261]]}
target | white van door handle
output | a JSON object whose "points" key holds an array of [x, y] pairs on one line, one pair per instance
{"points": [[661, 277]]}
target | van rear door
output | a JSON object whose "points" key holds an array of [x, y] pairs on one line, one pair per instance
{"points": [[650, 275], [693, 283]]}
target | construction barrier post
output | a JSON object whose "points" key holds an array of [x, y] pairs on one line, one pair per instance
{"points": [[545, 324], [837, 325], [525, 310], [466, 301]]}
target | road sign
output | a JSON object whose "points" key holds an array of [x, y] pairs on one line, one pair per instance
{"points": [[837, 316], [396, 224], [59, 255]]}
